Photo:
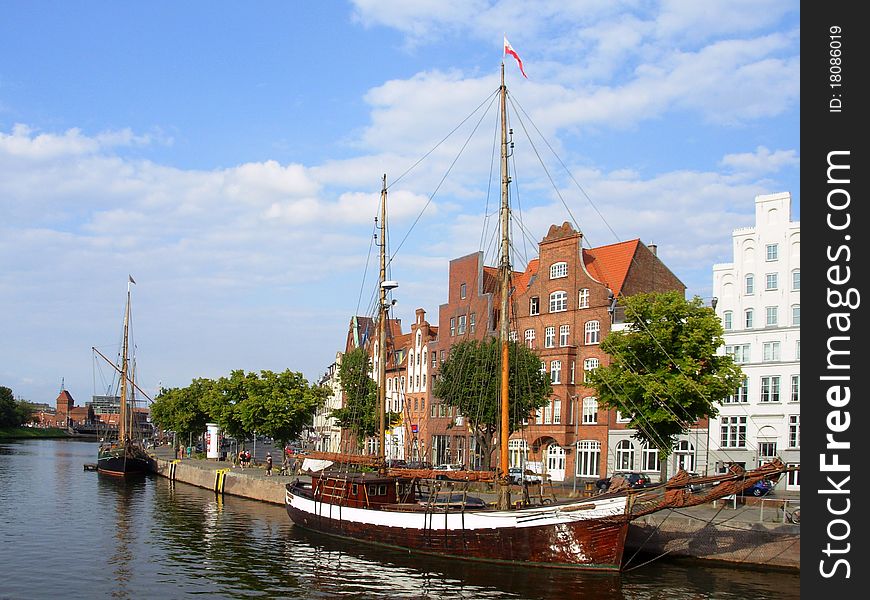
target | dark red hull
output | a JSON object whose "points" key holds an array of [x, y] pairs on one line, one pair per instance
{"points": [[593, 545]]}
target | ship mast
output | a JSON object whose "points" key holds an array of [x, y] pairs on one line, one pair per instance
{"points": [[122, 425], [385, 286], [505, 274]]}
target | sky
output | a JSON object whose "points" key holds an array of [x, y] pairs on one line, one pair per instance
{"points": [[229, 157]]}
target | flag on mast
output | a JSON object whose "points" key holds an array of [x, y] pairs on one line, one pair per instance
{"points": [[131, 278], [509, 50]]}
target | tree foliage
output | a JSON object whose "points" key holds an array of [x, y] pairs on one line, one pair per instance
{"points": [[664, 373], [278, 405], [470, 381], [359, 413], [13, 413]]}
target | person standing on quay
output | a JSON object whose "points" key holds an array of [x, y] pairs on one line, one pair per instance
{"points": [[268, 464]]}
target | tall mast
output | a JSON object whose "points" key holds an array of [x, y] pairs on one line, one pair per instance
{"points": [[505, 273], [122, 425], [382, 328]]}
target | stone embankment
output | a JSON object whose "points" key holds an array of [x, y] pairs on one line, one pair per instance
{"points": [[752, 533]]}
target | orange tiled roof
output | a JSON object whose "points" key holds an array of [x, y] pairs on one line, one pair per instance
{"points": [[522, 280], [610, 264]]}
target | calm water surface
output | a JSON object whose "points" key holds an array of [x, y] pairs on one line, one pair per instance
{"points": [[66, 532]]}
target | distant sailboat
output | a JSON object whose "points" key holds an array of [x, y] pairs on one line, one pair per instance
{"points": [[406, 509], [124, 455]]}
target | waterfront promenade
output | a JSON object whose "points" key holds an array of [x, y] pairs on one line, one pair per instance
{"points": [[753, 533]]}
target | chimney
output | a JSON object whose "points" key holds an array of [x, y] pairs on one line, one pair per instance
{"points": [[653, 248]]}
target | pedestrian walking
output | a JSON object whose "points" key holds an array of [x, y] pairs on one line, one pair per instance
{"points": [[268, 464]]}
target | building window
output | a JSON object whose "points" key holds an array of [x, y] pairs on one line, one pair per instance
{"points": [[558, 270], [558, 301], [452, 326], [795, 388], [564, 333], [548, 414], [766, 450], [590, 411], [726, 320], [796, 280], [549, 337], [556, 371], [534, 306], [557, 411], [621, 418], [588, 458], [770, 388], [462, 291], [797, 350], [747, 318], [741, 396], [472, 323], [625, 456], [770, 351], [750, 284], [443, 355], [650, 460], [796, 314], [589, 365], [434, 359], [572, 371], [771, 316], [530, 338], [684, 455], [593, 332], [772, 252], [733, 432], [461, 329], [583, 298], [739, 353], [771, 281], [794, 431]]}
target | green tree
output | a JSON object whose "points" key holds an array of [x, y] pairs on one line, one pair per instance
{"points": [[664, 372], [183, 410], [470, 381], [280, 405], [359, 414], [8, 411], [224, 403]]}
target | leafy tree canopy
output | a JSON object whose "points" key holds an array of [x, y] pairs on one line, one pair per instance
{"points": [[664, 373], [359, 414], [13, 413], [470, 381]]}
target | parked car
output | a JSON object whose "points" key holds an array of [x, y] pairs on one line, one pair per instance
{"points": [[762, 487], [419, 464], [447, 467], [635, 480], [397, 463], [516, 476]]}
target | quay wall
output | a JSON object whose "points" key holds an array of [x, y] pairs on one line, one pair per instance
{"points": [[703, 536], [223, 480]]}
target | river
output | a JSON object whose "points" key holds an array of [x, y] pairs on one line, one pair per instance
{"points": [[67, 532]]}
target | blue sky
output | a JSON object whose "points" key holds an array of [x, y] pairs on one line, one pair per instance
{"points": [[229, 155]]}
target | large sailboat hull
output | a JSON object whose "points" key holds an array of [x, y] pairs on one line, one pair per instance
{"points": [[121, 464], [580, 535]]}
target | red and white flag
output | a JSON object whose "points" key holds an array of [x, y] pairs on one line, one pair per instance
{"points": [[512, 52]]}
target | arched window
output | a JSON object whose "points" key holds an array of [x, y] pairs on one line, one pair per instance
{"points": [[589, 364], [558, 301], [727, 318], [650, 461], [750, 284], [684, 456], [625, 456], [559, 269], [590, 411], [518, 453]]}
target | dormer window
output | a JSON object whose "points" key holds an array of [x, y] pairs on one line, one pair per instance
{"points": [[559, 269]]}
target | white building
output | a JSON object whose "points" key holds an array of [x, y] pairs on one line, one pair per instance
{"points": [[758, 300], [326, 432]]}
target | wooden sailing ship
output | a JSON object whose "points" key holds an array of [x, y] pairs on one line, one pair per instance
{"points": [[413, 510], [124, 455]]}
